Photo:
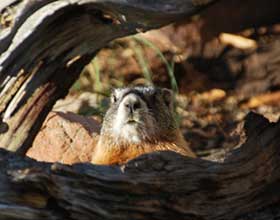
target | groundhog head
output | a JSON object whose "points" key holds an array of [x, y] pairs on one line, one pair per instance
{"points": [[139, 114], [140, 120]]}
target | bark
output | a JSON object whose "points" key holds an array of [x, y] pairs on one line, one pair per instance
{"points": [[162, 185]]}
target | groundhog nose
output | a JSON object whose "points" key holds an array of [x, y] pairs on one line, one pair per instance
{"points": [[132, 104]]}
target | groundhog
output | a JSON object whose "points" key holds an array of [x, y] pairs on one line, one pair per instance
{"points": [[139, 120]]}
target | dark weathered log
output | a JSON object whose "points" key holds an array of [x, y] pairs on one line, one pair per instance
{"points": [[162, 185], [45, 44]]}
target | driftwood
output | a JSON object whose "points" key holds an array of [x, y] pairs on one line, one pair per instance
{"points": [[44, 44], [162, 185]]}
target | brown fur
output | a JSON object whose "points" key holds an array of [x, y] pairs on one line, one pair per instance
{"points": [[110, 153]]}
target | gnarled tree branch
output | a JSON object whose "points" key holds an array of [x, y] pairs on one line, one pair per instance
{"points": [[161, 185]]}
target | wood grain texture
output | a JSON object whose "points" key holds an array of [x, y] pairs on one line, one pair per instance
{"points": [[162, 185]]}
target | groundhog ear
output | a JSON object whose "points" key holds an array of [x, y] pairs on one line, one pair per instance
{"points": [[113, 96], [168, 97]]}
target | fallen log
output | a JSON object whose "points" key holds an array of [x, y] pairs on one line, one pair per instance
{"points": [[162, 185]]}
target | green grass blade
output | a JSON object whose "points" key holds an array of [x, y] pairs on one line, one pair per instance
{"points": [[169, 67]]}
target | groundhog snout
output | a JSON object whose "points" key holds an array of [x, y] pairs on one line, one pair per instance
{"points": [[132, 103]]}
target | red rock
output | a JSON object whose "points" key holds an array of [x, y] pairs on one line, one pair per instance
{"points": [[66, 138]]}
